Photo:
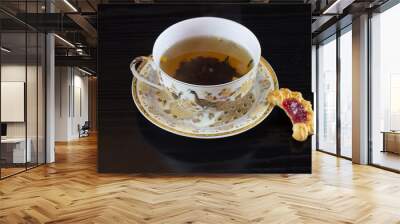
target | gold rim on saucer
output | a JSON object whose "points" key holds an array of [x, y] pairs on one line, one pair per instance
{"points": [[163, 112]]}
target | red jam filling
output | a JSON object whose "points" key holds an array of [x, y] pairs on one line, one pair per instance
{"points": [[295, 110]]}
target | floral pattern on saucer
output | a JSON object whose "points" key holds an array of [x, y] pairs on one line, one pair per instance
{"points": [[211, 119]]}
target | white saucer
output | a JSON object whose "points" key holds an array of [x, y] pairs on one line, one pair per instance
{"points": [[225, 119]]}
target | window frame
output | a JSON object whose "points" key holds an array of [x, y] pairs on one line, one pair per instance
{"points": [[334, 37], [380, 9]]}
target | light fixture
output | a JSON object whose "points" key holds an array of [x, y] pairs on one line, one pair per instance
{"points": [[5, 50], [84, 71], [65, 41], [328, 10], [70, 5], [79, 51], [337, 7]]}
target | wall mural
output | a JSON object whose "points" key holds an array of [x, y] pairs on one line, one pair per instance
{"points": [[205, 88]]}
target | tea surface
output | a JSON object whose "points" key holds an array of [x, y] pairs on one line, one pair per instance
{"points": [[206, 61]]}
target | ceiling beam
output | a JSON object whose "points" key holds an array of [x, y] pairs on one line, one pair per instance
{"points": [[75, 15], [84, 24], [337, 7], [81, 61]]}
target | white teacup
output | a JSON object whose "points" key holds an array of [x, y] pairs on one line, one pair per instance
{"points": [[202, 26]]}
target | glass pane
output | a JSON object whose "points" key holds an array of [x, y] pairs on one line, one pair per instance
{"points": [[32, 86], [23, 88], [31, 100], [327, 96], [385, 84], [13, 88], [41, 98], [346, 94]]}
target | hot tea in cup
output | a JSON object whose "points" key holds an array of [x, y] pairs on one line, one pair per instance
{"points": [[206, 60]]}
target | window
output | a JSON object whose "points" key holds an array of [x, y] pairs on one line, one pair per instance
{"points": [[327, 96], [385, 88], [22, 101], [346, 92], [334, 109]]}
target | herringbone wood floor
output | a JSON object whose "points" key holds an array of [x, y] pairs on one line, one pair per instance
{"points": [[71, 191]]}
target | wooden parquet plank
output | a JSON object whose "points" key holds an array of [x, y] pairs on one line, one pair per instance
{"points": [[71, 191]]}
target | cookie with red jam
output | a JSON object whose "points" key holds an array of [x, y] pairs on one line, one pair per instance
{"points": [[298, 110]]}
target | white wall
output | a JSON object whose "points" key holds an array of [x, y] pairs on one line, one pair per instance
{"points": [[62, 81], [33, 127], [16, 72], [80, 111], [9, 73], [71, 102]]}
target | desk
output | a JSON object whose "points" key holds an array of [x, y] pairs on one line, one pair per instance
{"points": [[13, 150], [391, 141]]}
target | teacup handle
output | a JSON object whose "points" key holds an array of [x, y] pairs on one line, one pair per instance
{"points": [[141, 78]]}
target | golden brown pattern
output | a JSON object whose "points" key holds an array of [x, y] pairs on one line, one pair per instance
{"points": [[205, 118]]}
